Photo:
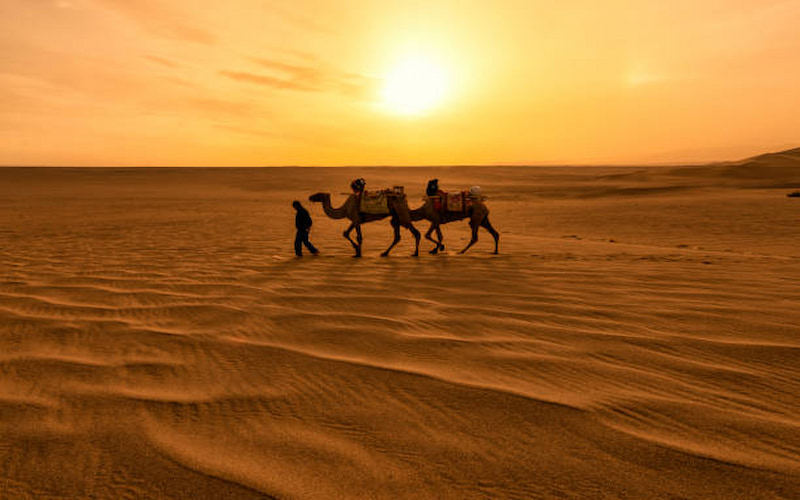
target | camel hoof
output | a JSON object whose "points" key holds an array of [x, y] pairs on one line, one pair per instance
{"points": [[385, 254], [434, 251], [415, 254]]}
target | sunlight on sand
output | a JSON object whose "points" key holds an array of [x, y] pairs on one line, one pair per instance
{"points": [[637, 337]]}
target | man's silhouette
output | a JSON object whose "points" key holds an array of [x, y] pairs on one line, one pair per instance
{"points": [[302, 222]]}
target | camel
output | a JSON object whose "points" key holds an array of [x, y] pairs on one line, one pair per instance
{"points": [[478, 215], [399, 213]]}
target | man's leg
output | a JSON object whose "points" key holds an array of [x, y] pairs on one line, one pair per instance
{"points": [[308, 244], [298, 243]]}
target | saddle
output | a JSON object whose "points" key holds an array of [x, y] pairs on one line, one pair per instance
{"points": [[459, 202], [377, 202]]}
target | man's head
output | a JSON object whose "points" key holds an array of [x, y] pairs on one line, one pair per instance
{"points": [[296, 204]]}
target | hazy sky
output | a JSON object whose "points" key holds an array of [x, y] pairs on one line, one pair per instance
{"points": [[260, 82]]}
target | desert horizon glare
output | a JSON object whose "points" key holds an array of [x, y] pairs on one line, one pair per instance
{"points": [[156, 82]]}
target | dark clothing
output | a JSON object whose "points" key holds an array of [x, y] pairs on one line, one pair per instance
{"points": [[302, 220], [433, 187], [302, 239]]}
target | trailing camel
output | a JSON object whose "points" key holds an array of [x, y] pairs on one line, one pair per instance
{"points": [[477, 213], [351, 209]]}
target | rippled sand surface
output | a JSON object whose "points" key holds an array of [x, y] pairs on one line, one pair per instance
{"points": [[637, 337]]}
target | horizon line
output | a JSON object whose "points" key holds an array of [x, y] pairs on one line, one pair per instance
{"points": [[675, 163], [386, 165]]}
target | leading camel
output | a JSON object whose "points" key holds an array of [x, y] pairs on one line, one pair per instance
{"points": [[478, 215], [398, 211]]}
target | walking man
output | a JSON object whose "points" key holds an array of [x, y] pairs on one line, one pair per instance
{"points": [[302, 222]]}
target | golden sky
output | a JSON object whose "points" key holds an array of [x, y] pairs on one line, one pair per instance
{"points": [[262, 82]]}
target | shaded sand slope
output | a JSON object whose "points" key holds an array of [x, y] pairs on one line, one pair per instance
{"points": [[636, 338]]}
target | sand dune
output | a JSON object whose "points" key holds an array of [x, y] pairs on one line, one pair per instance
{"points": [[637, 337]]}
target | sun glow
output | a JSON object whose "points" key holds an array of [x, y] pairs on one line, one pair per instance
{"points": [[414, 86]]}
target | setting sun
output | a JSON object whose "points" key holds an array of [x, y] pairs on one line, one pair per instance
{"points": [[414, 86]]}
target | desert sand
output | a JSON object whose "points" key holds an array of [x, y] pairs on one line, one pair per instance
{"points": [[637, 337]]}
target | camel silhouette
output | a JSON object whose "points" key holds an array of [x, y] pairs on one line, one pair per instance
{"points": [[478, 215], [398, 211]]}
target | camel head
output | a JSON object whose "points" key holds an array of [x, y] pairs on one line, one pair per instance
{"points": [[318, 197]]}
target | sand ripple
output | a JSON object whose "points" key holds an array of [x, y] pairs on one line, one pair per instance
{"points": [[566, 367]]}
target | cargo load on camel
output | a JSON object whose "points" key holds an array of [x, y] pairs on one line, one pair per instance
{"points": [[459, 202], [456, 202], [377, 202]]}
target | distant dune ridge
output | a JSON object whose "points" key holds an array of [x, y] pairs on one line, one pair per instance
{"points": [[637, 337], [768, 170], [772, 170]]}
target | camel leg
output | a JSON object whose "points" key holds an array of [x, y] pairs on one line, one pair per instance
{"points": [[437, 243], [493, 232], [474, 237], [416, 235], [439, 246], [359, 239], [396, 226], [356, 247]]}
